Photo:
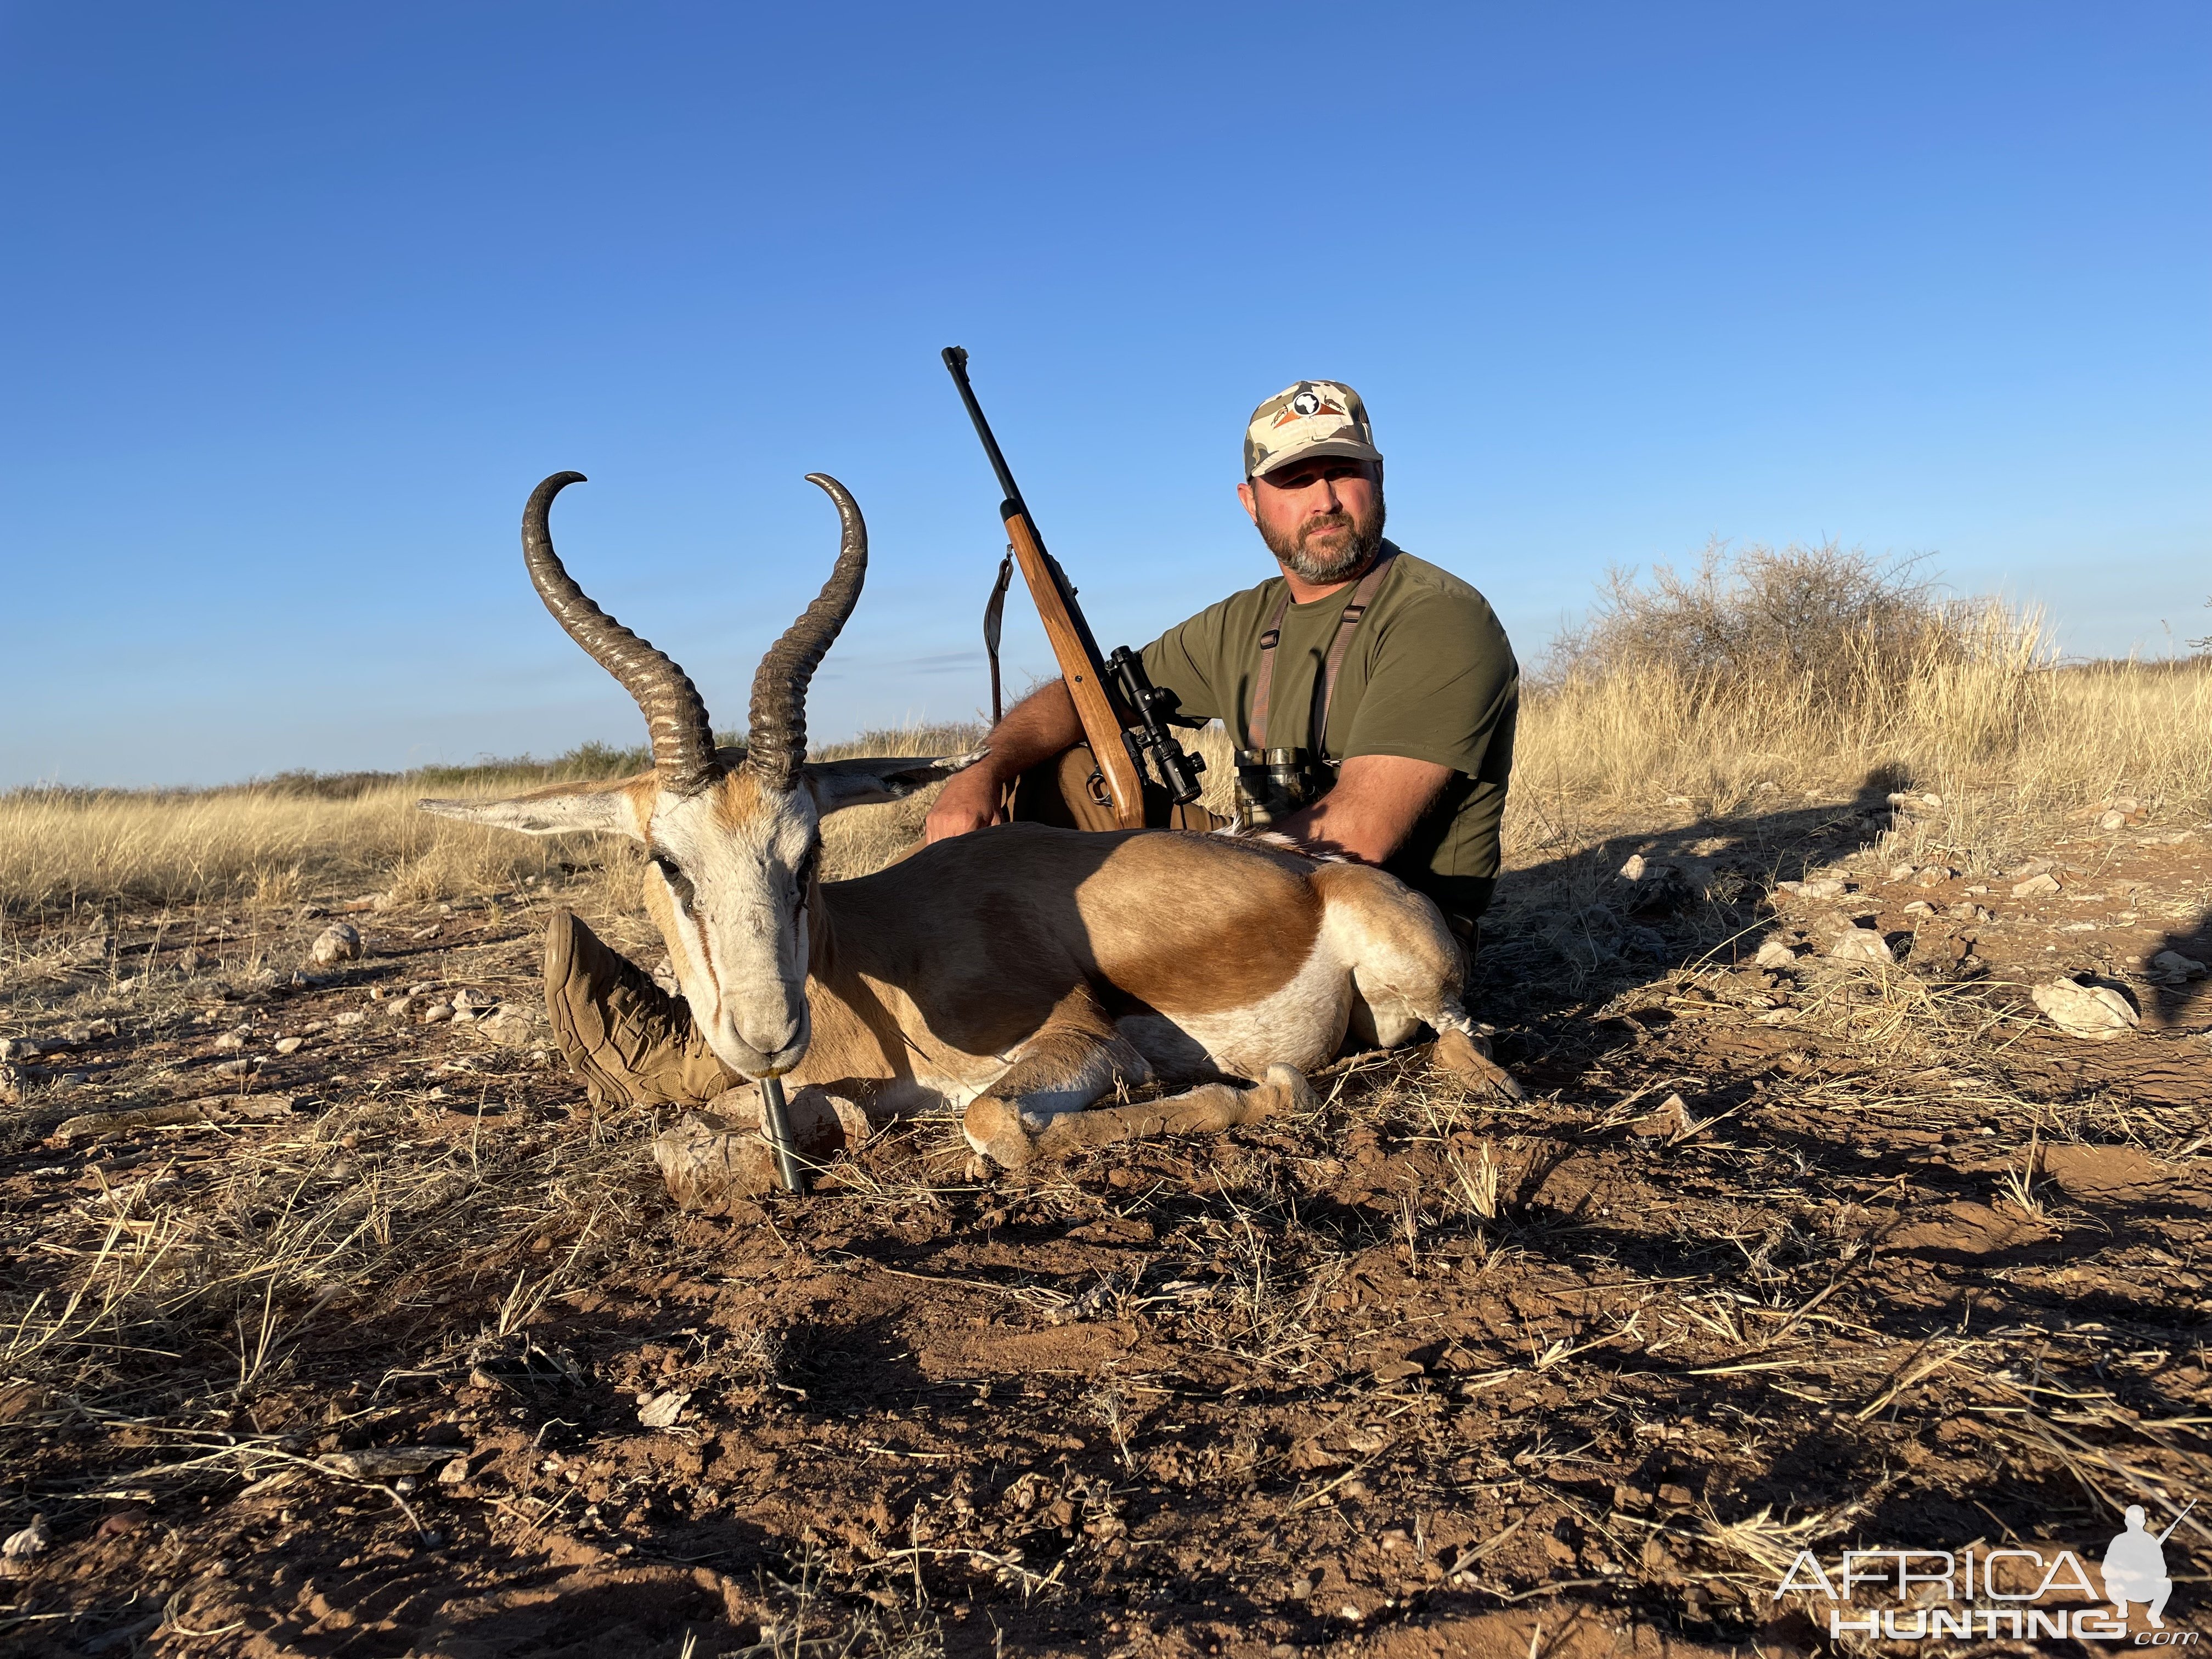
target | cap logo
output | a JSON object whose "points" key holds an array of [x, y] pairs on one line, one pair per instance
{"points": [[1306, 404]]}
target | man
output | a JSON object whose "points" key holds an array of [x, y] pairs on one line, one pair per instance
{"points": [[1391, 676], [1409, 742], [2134, 1569]]}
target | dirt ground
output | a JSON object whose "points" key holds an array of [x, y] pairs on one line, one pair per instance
{"points": [[385, 1348]]}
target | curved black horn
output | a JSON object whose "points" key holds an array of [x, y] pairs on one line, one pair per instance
{"points": [[675, 718], [776, 745]]}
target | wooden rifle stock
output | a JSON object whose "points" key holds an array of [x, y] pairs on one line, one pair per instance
{"points": [[1089, 689], [1081, 665]]}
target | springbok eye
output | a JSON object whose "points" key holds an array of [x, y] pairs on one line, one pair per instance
{"points": [[672, 873]]}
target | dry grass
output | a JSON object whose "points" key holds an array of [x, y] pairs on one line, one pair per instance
{"points": [[277, 843], [1985, 704]]}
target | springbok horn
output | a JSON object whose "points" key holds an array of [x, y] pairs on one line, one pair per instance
{"points": [[675, 718], [776, 747]]}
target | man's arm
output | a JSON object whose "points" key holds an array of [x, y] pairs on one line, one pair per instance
{"points": [[1039, 727], [1371, 809]]}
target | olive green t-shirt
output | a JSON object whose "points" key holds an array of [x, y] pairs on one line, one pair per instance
{"points": [[1429, 676]]}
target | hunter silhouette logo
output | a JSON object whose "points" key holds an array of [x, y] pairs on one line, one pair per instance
{"points": [[2018, 1592], [2134, 1566]]}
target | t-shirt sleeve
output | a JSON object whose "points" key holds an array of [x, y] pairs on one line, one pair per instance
{"points": [[1443, 686], [1180, 661]]}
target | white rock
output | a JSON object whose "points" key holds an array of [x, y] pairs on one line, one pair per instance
{"points": [[339, 942], [31, 1541], [1920, 908], [437, 1012], [1860, 944], [1900, 873], [469, 1004], [1775, 954], [2113, 821], [1935, 875], [398, 1007], [2096, 1013], [232, 1042], [291, 1045], [351, 1017], [2174, 968], [507, 1025], [660, 1411], [2043, 883], [1633, 870], [1827, 887]]}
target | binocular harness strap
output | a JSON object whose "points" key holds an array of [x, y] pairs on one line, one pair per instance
{"points": [[1263, 689]]}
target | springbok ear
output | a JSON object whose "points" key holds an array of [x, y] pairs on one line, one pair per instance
{"points": [[841, 783], [560, 809]]}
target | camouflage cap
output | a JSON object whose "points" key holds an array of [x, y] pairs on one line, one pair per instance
{"points": [[1313, 418]]}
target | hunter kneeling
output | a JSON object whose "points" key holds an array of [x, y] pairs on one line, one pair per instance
{"points": [[1371, 696]]}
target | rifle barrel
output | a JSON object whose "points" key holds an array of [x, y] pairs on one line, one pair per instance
{"points": [[956, 360]]}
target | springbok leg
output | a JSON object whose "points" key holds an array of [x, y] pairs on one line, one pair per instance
{"points": [[1041, 1107]]}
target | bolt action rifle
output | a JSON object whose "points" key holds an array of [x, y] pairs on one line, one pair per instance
{"points": [[1128, 720]]}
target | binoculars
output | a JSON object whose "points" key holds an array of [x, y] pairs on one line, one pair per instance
{"points": [[1274, 783]]}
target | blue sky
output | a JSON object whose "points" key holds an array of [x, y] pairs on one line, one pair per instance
{"points": [[302, 300]]}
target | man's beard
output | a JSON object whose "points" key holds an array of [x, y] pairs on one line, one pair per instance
{"points": [[1319, 565]]}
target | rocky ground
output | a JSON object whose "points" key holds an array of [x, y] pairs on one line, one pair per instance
{"points": [[335, 1325]]}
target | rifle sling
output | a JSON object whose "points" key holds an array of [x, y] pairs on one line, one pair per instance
{"points": [[1325, 687]]}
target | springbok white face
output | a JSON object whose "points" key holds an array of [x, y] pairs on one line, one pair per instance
{"points": [[732, 838]]}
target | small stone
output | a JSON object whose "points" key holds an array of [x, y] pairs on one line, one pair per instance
{"points": [[1920, 908], [232, 1042], [2044, 882], [2113, 821], [1900, 873], [1633, 870], [31, 1541], [233, 1068], [350, 1016], [1935, 875], [507, 1025], [291, 1045], [339, 942], [1827, 887], [2095, 1013], [1776, 954], [1860, 944], [422, 987], [398, 1007], [2172, 968], [437, 1011], [454, 1473], [662, 1410], [469, 1004]]}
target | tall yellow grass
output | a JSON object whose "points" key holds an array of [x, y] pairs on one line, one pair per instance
{"points": [[60, 849], [1985, 707], [1984, 704]]}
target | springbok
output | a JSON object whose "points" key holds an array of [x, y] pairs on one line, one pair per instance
{"points": [[1020, 973]]}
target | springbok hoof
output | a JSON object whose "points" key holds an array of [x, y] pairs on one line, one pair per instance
{"points": [[1467, 1056]]}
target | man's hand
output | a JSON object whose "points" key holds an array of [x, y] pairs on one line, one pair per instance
{"points": [[1372, 809], [1037, 729], [970, 800]]}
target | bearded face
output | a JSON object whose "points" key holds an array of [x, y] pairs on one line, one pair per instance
{"points": [[1327, 542]]}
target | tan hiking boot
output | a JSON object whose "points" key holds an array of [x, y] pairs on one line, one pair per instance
{"points": [[631, 1042]]}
